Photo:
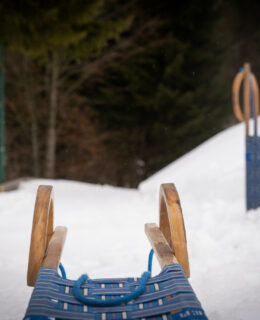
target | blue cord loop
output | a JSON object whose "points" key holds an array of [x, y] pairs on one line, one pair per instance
{"points": [[150, 261], [112, 302], [109, 302], [62, 270]]}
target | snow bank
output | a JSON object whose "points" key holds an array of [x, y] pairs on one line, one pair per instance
{"points": [[106, 230]]}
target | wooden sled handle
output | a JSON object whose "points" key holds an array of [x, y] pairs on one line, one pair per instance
{"points": [[244, 77], [45, 246], [160, 245], [256, 95], [172, 224], [235, 96]]}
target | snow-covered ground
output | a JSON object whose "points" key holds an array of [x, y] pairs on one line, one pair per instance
{"points": [[106, 230]]}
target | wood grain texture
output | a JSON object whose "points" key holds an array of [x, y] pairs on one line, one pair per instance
{"points": [[42, 229], [55, 248], [172, 224], [160, 245]]}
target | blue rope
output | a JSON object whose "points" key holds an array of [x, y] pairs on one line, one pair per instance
{"points": [[109, 302], [62, 270], [150, 261], [112, 302]]}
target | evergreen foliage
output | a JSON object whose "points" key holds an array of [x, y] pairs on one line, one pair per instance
{"points": [[162, 94], [113, 90], [56, 37], [75, 28]]}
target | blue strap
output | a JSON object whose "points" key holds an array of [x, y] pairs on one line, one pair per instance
{"points": [[109, 302], [150, 261], [62, 270]]}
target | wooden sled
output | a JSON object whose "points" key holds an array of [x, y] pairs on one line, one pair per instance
{"points": [[165, 296]]}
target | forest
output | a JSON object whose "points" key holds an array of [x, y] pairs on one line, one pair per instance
{"points": [[111, 91]]}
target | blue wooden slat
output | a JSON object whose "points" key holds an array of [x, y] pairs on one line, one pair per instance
{"points": [[252, 172]]}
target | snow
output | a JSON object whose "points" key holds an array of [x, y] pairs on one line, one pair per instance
{"points": [[106, 230]]}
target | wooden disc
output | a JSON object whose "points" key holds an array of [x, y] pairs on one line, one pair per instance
{"points": [[172, 224], [42, 229]]}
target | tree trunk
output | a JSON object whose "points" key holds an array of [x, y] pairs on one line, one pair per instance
{"points": [[51, 130], [30, 97]]}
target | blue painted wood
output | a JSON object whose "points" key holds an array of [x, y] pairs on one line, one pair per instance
{"points": [[253, 172], [252, 161]]}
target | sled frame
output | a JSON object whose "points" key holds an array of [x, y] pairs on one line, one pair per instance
{"points": [[168, 241]]}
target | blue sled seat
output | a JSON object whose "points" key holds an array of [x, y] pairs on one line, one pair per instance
{"points": [[166, 296], [163, 297]]}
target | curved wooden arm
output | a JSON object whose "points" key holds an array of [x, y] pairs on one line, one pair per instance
{"points": [[235, 96], [42, 230], [256, 95], [245, 77], [172, 224]]}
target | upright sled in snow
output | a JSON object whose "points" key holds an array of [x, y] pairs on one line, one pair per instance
{"points": [[167, 295], [251, 110]]}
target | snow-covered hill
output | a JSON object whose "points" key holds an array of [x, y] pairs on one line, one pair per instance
{"points": [[106, 230]]}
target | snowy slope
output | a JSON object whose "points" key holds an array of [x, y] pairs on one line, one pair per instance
{"points": [[224, 240], [106, 236]]}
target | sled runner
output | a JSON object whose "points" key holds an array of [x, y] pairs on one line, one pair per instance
{"points": [[167, 295]]}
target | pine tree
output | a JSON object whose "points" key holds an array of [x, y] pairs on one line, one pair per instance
{"points": [[159, 96], [62, 39]]}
